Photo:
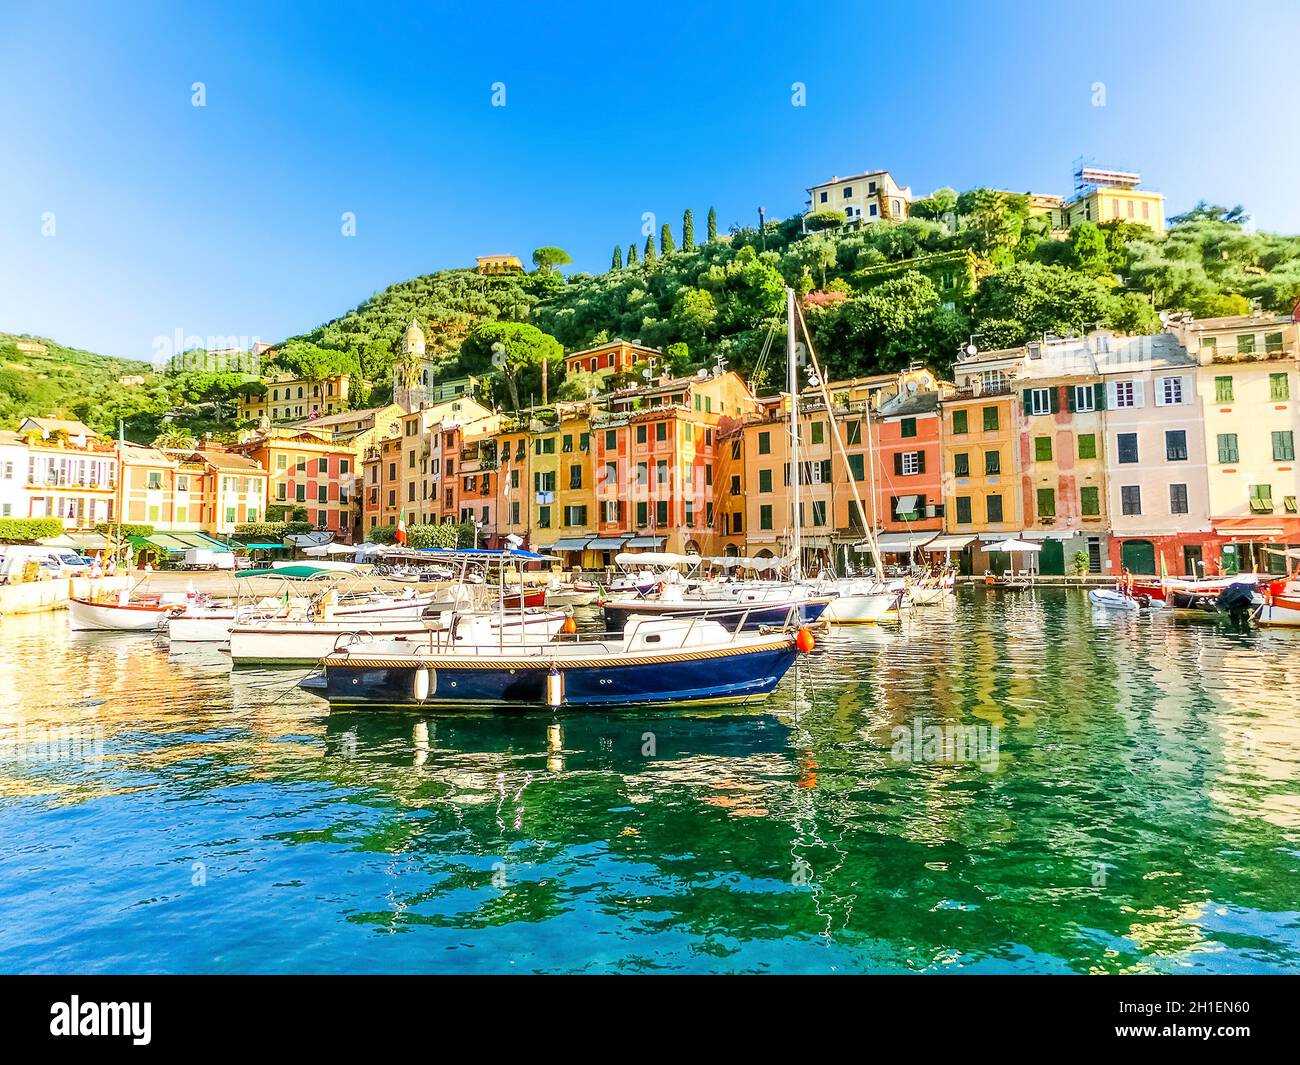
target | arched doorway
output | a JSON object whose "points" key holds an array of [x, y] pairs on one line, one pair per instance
{"points": [[1138, 556]]}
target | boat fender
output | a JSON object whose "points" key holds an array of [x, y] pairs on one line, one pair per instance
{"points": [[570, 627], [804, 641], [554, 688], [421, 684]]}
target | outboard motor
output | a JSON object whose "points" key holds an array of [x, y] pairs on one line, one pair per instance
{"points": [[1238, 602]]}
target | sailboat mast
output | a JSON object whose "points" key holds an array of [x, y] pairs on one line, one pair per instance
{"points": [[792, 375]]}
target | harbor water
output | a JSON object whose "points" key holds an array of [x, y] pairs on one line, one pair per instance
{"points": [[1011, 783]]}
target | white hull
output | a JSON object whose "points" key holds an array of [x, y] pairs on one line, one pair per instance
{"points": [[110, 617], [571, 598], [213, 626], [928, 596], [1285, 614], [859, 609], [1110, 600], [286, 642]]}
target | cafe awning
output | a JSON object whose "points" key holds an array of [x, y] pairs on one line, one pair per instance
{"points": [[571, 543], [607, 543], [899, 543], [949, 543], [646, 541]]}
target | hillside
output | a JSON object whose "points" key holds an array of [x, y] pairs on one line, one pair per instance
{"points": [[40, 376]]}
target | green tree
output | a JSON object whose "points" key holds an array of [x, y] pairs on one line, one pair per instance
{"points": [[650, 255], [174, 438], [548, 258], [1088, 247], [631, 255], [580, 384], [666, 244], [712, 225], [616, 263], [688, 231], [515, 350], [937, 206], [819, 220]]}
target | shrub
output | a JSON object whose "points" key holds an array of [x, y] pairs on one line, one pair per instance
{"points": [[22, 530]]}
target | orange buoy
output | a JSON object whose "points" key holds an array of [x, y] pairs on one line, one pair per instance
{"points": [[569, 627], [804, 640]]}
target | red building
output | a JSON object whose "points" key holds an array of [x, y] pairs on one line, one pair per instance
{"points": [[309, 473]]}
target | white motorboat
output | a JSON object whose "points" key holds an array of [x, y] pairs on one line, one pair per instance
{"points": [[286, 641], [859, 601]]}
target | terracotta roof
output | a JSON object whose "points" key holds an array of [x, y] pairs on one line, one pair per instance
{"points": [[224, 460], [68, 425]]}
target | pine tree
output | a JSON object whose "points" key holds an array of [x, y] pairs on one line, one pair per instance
{"points": [[713, 225], [666, 242], [616, 263], [688, 231], [650, 255]]}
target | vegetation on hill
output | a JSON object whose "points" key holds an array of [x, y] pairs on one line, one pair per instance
{"points": [[876, 297]]}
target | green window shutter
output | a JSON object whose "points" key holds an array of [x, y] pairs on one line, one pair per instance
{"points": [[1042, 449], [1223, 389], [990, 419], [1089, 502], [1283, 446], [898, 464], [1087, 446], [1069, 399], [1279, 386], [920, 462], [1228, 447], [1054, 398], [1099, 396], [857, 467], [1027, 401], [1046, 503], [959, 422], [961, 465]]}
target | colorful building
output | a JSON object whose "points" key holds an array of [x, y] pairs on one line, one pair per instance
{"points": [[305, 471], [296, 399], [1158, 497], [1248, 378], [71, 473], [873, 196], [1105, 195], [228, 488], [614, 357]]}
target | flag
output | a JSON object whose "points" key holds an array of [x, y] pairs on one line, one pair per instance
{"points": [[400, 535]]}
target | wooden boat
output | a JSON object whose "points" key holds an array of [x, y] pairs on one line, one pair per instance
{"points": [[1280, 610], [653, 661], [535, 597], [123, 615]]}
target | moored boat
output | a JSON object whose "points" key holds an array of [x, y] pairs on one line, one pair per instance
{"points": [[1112, 599], [123, 615], [654, 661]]}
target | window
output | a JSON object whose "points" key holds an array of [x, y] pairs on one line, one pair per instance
{"points": [[857, 467], [281, 462], [611, 440], [1178, 499], [575, 516], [910, 463], [735, 484], [661, 471], [853, 433], [343, 466], [1176, 445], [1127, 446], [1085, 399], [1171, 390], [155, 480], [818, 513], [765, 481], [907, 427], [545, 445], [1228, 447], [765, 443], [1246, 344], [990, 419], [322, 493], [575, 476], [1087, 445], [300, 493], [1279, 386], [1047, 502], [1125, 394], [1042, 449], [1272, 343], [323, 465], [961, 465], [661, 430], [960, 418], [993, 507], [661, 513], [765, 516], [1089, 501], [1038, 400], [1283, 446], [818, 430], [1261, 499], [1130, 499], [566, 445], [1223, 389], [543, 517], [992, 463], [963, 510]]}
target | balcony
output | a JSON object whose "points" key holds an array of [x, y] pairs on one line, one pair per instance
{"points": [[1230, 357]]}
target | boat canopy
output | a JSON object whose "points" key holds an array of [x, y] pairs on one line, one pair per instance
{"points": [[481, 554], [330, 549], [758, 565], [899, 543], [293, 572], [655, 558]]}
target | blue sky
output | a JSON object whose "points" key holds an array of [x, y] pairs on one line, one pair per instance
{"points": [[224, 220]]}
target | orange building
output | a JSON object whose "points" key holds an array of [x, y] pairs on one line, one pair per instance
{"points": [[909, 481], [618, 356], [308, 472]]}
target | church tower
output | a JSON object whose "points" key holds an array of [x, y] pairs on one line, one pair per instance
{"points": [[410, 371]]}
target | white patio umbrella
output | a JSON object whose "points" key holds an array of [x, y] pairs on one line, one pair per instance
{"points": [[1014, 546]]}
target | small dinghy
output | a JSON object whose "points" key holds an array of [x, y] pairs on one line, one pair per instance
{"points": [[122, 615], [1110, 599]]}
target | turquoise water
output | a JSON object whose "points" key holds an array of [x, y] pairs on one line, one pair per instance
{"points": [[1124, 799]]}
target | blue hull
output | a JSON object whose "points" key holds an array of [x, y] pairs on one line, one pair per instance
{"points": [[731, 618], [733, 677]]}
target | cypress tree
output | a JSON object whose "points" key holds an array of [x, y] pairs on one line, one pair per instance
{"points": [[713, 225], [616, 263], [688, 231], [666, 243], [631, 255], [650, 255]]}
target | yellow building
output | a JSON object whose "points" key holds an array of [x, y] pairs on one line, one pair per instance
{"points": [[870, 197], [499, 264], [575, 501], [1103, 195], [1249, 387], [297, 400]]}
